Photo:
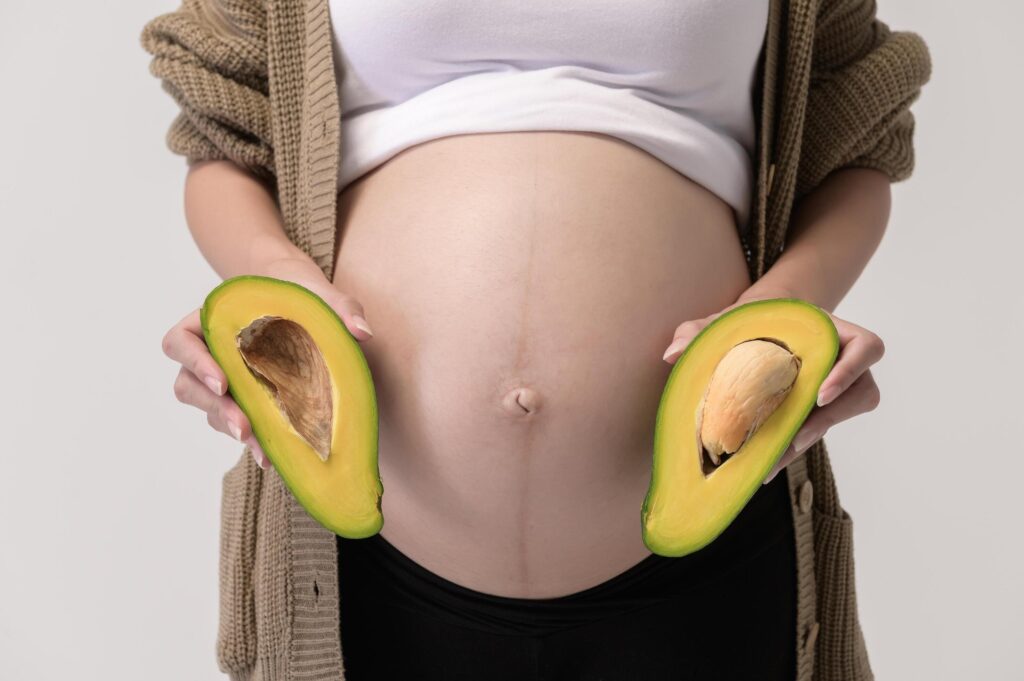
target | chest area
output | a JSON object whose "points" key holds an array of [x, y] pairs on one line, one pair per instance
{"points": [[389, 50]]}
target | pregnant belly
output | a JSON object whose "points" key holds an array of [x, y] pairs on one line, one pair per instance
{"points": [[522, 288]]}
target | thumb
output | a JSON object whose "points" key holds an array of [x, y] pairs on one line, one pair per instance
{"points": [[309, 275], [683, 335], [351, 312]]}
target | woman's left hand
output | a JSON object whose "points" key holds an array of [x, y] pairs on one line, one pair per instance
{"points": [[847, 391]]}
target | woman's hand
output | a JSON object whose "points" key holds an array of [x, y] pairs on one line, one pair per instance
{"points": [[202, 383], [847, 391]]}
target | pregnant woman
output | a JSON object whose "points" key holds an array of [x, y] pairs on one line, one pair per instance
{"points": [[535, 207]]}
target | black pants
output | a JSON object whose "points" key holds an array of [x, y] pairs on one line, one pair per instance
{"points": [[725, 612]]}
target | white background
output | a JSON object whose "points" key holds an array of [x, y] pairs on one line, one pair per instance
{"points": [[110, 489]]}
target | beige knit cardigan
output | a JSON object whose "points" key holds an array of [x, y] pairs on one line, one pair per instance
{"points": [[256, 85]]}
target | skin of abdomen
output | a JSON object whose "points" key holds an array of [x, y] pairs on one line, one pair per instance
{"points": [[522, 288]]}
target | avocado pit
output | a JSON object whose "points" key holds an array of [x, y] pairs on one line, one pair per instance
{"points": [[283, 357], [748, 384]]}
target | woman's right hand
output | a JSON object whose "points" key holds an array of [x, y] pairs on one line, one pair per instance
{"points": [[202, 383]]}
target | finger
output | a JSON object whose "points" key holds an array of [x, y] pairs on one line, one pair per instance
{"points": [[223, 413], [306, 273], [688, 330], [351, 312], [184, 344], [682, 337], [787, 458], [250, 440], [229, 419], [859, 398], [190, 390], [257, 453], [860, 350]]}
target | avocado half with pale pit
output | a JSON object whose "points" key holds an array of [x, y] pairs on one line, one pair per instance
{"points": [[301, 379], [732, 404]]}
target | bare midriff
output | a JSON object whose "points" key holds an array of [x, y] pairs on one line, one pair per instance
{"points": [[522, 288]]}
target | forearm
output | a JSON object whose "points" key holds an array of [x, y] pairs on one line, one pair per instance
{"points": [[235, 221], [835, 230]]}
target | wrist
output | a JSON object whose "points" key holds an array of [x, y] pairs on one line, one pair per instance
{"points": [[762, 290], [292, 268], [276, 256]]}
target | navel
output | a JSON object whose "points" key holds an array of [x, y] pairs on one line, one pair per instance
{"points": [[521, 401]]}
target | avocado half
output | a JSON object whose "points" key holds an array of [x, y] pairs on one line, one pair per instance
{"points": [[760, 396], [302, 380]]}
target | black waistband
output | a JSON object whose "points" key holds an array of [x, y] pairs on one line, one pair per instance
{"points": [[378, 570]]}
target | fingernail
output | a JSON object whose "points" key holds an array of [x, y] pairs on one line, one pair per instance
{"points": [[236, 432], [805, 439], [361, 324], [258, 456], [677, 345], [778, 467], [214, 385], [827, 395]]}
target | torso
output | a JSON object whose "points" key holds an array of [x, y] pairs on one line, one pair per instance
{"points": [[547, 269]]}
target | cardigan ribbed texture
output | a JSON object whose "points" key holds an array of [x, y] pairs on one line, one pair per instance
{"points": [[834, 88]]}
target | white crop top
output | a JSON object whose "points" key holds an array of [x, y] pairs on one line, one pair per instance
{"points": [[672, 77]]}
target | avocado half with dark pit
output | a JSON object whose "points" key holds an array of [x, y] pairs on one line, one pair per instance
{"points": [[732, 404], [301, 379]]}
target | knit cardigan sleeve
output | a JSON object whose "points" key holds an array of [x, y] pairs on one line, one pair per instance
{"points": [[211, 57], [863, 80]]}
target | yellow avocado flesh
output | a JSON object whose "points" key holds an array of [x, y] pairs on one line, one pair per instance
{"points": [[684, 509], [342, 493]]}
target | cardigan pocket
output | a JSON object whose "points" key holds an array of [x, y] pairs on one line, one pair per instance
{"points": [[236, 634], [836, 656]]}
